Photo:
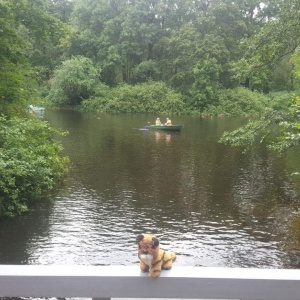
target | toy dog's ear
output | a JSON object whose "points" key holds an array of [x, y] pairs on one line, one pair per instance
{"points": [[155, 241], [139, 237]]}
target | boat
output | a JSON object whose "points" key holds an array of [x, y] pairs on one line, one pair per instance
{"points": [[35, 109], [165, 127]]}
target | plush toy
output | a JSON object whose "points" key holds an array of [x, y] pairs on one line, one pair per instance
{"points": [[153, 259]]}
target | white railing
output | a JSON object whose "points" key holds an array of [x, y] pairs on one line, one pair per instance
{"points": [[105, 282]]}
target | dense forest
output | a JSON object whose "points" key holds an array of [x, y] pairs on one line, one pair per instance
{"points": [[214, 56], [170, 56]]}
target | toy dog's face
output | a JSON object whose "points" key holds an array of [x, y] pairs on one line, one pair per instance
{"points": [[148, 247]]}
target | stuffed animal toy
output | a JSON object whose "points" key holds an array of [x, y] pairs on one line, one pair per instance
{"points": [[153, 259]]}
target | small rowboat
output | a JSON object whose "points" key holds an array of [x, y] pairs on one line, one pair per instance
{"points": [[165, 127], [35, 109], [38, 109]]}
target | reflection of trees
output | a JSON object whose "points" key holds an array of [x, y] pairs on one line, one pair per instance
{"points": [[262, 183], [294, 232], [264, 196], [20, 237]]}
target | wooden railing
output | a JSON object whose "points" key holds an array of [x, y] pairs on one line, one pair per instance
{"points": [[105, 282]]}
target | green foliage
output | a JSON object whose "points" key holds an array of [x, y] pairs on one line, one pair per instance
{"points": [[25, 26], [295, 59], [150, 97], [279, 100], [73, 81], [134, 41], [289, 128], [30, 164], [282, 75], [253, 132], [237, 102], [194, 46], [60, 9], [205, 88], [265, 52], [42, 32], [280, 130], [33, 15], [145, 71], [13, 63]]}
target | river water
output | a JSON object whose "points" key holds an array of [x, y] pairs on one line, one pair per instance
{"points": [[211, 204]]}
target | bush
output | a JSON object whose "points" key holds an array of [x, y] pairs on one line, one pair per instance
{"points": [[150, 97], [30, 164], [279, 100], [239, 101]]}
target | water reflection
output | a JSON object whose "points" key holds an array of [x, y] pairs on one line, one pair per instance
{"points": [[161, 135], [212, 205]]}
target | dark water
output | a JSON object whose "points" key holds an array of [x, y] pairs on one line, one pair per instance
{"points": [[211, 204]]}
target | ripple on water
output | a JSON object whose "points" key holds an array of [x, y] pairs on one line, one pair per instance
{"points": [[87, 229], [211, 204]]}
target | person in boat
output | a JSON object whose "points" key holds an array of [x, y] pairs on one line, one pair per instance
{"points": [[168, 122], [30, 108], [158, 122]]}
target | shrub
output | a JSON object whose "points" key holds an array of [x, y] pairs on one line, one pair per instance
{"points": [[279, 100], [150, 97], [239, 101], [30, 164]]}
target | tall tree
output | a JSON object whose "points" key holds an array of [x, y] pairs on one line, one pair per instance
{"points": [[73, 81], [134, 41], [267, 49], [279, 38], [25, 28], [13, 62], [60, 9]]}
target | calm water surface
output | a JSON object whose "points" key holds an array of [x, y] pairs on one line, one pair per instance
{"points": [[211, 204]]}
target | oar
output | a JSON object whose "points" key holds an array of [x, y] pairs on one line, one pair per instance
{"points": [[147, 126]]}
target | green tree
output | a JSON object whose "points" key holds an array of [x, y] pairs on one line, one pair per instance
{"points": [[25, 27], [206, 85], [42, 32], [75, 80], [269, 47], [96, 28], [13, 63], [279, 38], [146, 70], [30, 163], [60, 9], [134, 41], [279, 130]]}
